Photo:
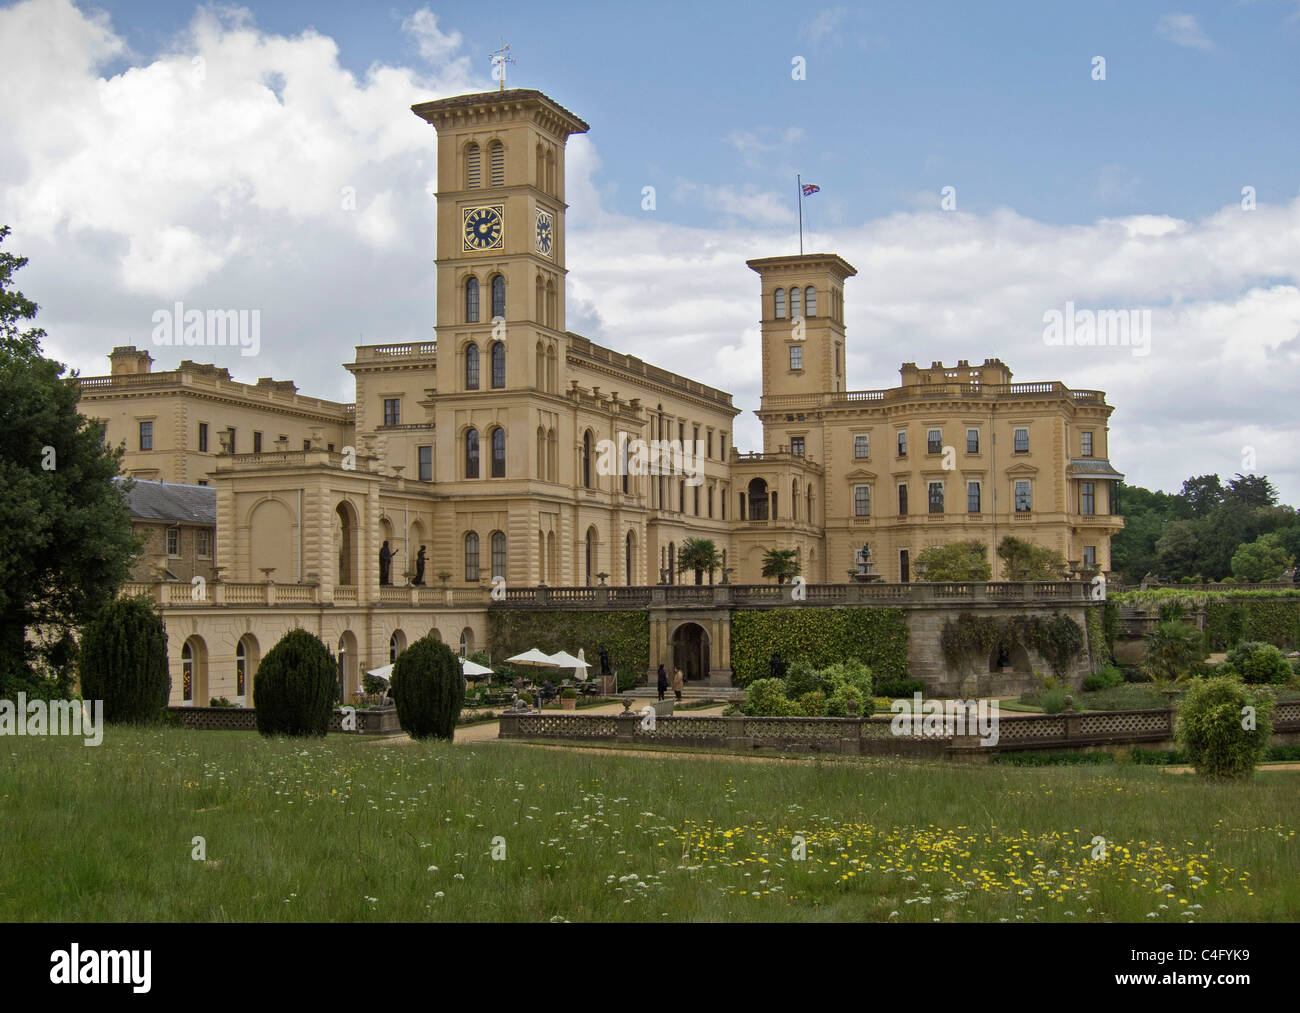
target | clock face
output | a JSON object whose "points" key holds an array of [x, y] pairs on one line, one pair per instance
{"points": [[484, 228], [545, 232]]}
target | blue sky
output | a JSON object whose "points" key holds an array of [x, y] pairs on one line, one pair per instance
{"points": [[130, 184]]}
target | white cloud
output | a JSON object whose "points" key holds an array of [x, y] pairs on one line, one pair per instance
{"points": [[133, 190], [1183, 30]]}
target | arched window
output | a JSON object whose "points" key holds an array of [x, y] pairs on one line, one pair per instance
{"points": [[591, 554], [540, 296], [187, 674], [541, 366], [471, 366], [541, 167], [473, 175], [396, 645], [810, 301], [552, 307], [672, 563], [497, 164], [586, 461], [466, 641], [552, 455], [471, 556], [552, 370], [622, 462], [796, 304], [471, 453], [629, 553], [498, 453], [550, 170], [794, 500], [498, 297], [498, 364], [811, 519], [241, 669], [498, 554], [471, 301], [778, 297]]}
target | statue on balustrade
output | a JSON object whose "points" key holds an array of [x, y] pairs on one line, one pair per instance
{"points": [[418, 579], [386, 565]]}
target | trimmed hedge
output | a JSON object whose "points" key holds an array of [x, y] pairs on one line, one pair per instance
{"points": [[296, 687], [428, 690], [878, 637], [124, 660], [1273, 622], [626, 635]]}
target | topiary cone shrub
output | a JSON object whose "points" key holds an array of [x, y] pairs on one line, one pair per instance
{"points": [[1224, 726], [296, 687], [428, 690], [124, 661]]}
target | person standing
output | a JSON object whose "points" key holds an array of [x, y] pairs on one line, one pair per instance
{"points": [[678, 682], [663, 682]]}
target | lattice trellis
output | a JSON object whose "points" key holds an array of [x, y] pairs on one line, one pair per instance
{"points": [[1125, 722]]}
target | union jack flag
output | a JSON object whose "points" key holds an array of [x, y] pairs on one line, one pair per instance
{"points": [[809, 189]]}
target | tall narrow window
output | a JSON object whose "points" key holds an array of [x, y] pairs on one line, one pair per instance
{"points": [[498, 554], [473, 167], [1023, 497], [1087, 498], [241, 668], [902, 443], [203, 437], [187, 674], [471, 556], [586, 459], [1022, 441], [796, 304], [861, 501], [146, 436], [797, 446], [861, 446], [936, 497], [471, 366], [499, 365], [497, 163], [392, 411], [471, 453], [471, 300], [934, 441], [257, 443], [1085, 441], [972, 497], [498, 454], [231, 431], [796, 357], [426, 463], [778, 304], [810, 301], [631, 550], [1090, 557], [498, 297], [972, 441], [902, 501]]}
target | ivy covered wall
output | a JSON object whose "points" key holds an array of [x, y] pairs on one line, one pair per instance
{"points": [[626, 635], [876, 636]]}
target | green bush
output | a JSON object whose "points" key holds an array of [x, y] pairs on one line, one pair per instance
{"points": [[1052, 700], [837, 704], [568, 693], [220, 702], [878, 637], [374, 684], [626, 679], [894, 688], [1106, 677], [813, 703], [124, 661], [847, 673], [428, 690], [296, 687], [1209, 728], [767, 698], [1172, 649], [802, 678], [1258, 663]]}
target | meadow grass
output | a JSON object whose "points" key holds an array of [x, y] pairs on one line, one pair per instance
{"points": [[347, 829]]}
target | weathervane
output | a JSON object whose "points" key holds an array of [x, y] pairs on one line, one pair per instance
{"points": [[499, 60]]}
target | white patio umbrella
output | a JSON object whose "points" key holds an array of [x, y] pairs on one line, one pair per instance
{"points": [[383, 673], [563, 659], [470, 668], [532, 656]]}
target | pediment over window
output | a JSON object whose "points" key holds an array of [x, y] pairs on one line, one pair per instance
{"points": [[1022, 470], [860, 475]]}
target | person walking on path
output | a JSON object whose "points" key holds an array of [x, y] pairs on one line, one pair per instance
{"points": [[663, 682], [678, 682]]}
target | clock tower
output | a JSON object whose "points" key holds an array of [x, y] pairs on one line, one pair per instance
{"points": [[500, 283]]}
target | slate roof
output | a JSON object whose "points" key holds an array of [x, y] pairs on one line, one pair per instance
{"points": [[172, 501]]}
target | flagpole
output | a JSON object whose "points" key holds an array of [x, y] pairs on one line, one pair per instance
{"points": [[798, 182]]}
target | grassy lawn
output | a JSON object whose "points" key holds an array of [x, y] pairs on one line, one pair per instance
{"points": [[347, 829]]}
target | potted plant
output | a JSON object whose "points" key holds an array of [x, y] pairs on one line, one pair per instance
{"points": [[569, 698]]}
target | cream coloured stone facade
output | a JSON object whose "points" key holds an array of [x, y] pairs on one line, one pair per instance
{"points": [[486, 444]]}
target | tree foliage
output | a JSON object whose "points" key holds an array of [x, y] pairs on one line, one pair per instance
{"points": [[781, 564], [67, 543], [1022, 560], [956, 561], [1260, 561], [1224, 726], [700, 555]]}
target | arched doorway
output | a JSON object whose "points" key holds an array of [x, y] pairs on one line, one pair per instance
{"points": [[758, 500], [396, 645], [194, 673], [247, 656], [690, 651], [1014, 658]]}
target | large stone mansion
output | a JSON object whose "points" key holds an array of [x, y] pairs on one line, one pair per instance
{"points": [[489, 446]]}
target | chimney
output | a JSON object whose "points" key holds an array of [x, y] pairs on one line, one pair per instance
{"points": [[127, 360]]}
